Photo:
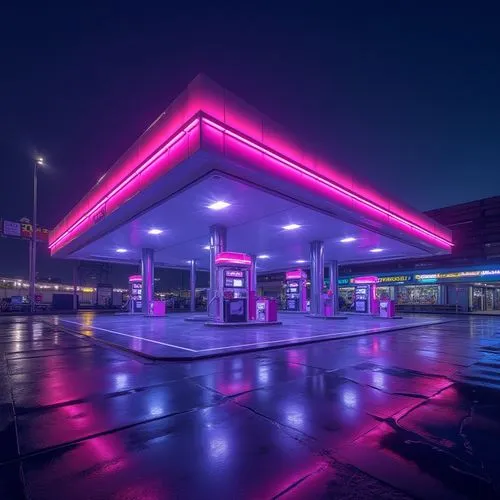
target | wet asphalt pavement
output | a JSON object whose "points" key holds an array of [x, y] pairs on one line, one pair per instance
{"points": [[411, 413]]}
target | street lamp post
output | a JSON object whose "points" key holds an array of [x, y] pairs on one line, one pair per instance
{"points": [[39, 162]]}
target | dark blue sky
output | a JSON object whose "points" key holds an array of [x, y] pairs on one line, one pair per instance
{"points": [[406, 94]]}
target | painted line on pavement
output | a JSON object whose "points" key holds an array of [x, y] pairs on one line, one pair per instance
{"points": [[127, 335], [332, 335]]}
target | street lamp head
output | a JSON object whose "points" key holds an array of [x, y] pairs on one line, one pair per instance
{"points": [[40, 161]]}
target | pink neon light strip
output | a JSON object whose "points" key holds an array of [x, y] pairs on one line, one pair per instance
{"points": [[144, 166], [294, 275], [232, 260], [325, 182]]}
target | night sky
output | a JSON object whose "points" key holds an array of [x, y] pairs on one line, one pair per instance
{"points": [[406, 94]]}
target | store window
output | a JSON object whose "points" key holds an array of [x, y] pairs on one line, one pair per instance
{"points": [[496, 299], [489, 299], [346, 298], [383, 292], [418, 294]]}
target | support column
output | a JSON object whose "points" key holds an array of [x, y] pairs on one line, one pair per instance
{"points": [[75, 279], [317, 276], [333, 269], [30, 243], [218, 242], [253, 274], [148, 280], [252, 290], [192, 285]]}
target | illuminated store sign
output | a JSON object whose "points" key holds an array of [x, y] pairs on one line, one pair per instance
{"points": [[394, 279], [457, 275], [376, 279]]}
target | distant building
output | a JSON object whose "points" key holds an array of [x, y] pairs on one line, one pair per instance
{"points": [[468, 280], [476, 238]]}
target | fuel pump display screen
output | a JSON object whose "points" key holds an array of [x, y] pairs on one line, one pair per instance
{"points": [[234, 279]]}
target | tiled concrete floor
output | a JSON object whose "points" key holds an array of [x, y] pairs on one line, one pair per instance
{"points": [[377, 416]]}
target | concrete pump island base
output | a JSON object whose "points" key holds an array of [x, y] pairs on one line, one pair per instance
{"points": [[171, 338], [215, 185]]}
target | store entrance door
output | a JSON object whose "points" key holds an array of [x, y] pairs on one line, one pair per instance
{"points": [[478, 299]]}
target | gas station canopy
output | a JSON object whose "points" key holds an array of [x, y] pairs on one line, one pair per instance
{"points": [[209, 159]]}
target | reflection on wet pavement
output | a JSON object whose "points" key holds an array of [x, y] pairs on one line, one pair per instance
{"points": [[398, 415]]}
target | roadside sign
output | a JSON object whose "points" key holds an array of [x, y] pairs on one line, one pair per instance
{"points": [[23, 230], [10, 228]]}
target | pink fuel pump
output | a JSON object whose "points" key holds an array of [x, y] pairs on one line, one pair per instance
{"points": [[387, 308], [365, 295], [366, 298], [135, 293], [328, 304], [232, 295], [296, 291]]}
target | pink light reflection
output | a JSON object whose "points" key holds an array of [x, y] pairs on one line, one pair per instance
{"points": [[106, 448]]}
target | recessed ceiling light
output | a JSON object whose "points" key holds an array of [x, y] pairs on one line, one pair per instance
{"points": [[219, 205], [376, 250], [121, 250], [206, 247], [348, 239], [291, 227], [263, 257], [155, 231], [300, 261]]}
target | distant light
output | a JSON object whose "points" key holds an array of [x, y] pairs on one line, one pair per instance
{"points": [[263, 257], [348, 239], [376, 250], [40, 161], [121, 250], [206, 247], [219, 205], [155, 231], [300, 261], [291, 227]]}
